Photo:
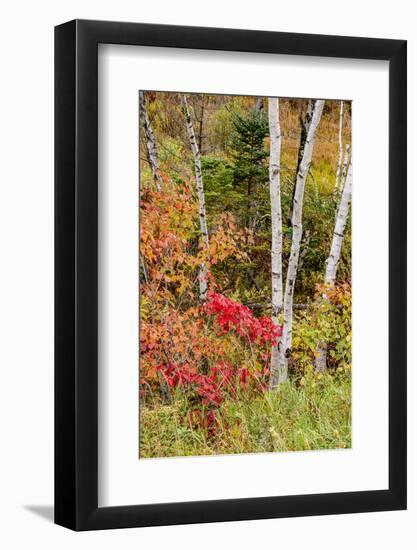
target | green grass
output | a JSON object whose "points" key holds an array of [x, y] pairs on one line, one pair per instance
{"points": [[309, 414]]}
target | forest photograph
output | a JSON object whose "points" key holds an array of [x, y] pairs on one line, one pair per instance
{"points": [[245, 284]]}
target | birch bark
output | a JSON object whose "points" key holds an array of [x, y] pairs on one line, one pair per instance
{"points": [[151, 147], [276, 222], [336, 189], [259, 105], [334, 255], [339, 230], [345, 167], [297, 231], [202, 278], [304, 126]]}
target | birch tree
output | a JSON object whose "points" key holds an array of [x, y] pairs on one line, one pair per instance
{"points": [[259, 105], [305, 125], [202, 278], [151, 147], [334, 255], [199, 120], [339, 230], [305, 121], [336, 189], [276, 223], [297, 230], [345, 167]]}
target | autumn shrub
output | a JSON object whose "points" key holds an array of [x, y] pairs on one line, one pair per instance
{"points": [[227, 357], [328, 320], [199, 353]]}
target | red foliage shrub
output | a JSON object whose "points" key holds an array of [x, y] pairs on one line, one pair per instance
{"points": [[206, 392], [232, 315]]}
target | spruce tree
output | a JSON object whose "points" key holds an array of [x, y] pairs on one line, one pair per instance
{"points": [[250, 170]]}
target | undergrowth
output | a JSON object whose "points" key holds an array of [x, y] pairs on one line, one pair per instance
{"points": [[310, 413]]}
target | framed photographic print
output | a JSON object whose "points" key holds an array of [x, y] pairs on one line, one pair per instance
{"points": [[230, 252]]}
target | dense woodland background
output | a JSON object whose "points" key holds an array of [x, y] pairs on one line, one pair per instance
{"points": [[215, 375]]}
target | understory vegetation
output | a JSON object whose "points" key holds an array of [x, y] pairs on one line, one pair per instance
{"points": [[312, 414]]}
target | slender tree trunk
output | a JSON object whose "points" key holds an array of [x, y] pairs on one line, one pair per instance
{"points": [[339, 230], [276, 223], [259, 105], [201, 124], [334, 256], [344, 168], [151, 147], [297, 231], [305, 122], [305, 125], [200, 194], [336, 189]]}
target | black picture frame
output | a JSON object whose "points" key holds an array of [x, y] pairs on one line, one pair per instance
{"points": [[76, 272]]}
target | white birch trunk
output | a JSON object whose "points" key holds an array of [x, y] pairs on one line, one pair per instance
{"points": [[297, 231], [334, 256], [336, 189], [304, 126], [345, 167], [151, 147], [202, 278], [339, 230], [276, 224]]}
